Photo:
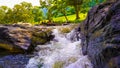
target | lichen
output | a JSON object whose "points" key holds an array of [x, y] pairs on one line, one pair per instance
{"points": [[59, 64]]}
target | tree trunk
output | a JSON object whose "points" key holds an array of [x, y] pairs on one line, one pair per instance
{"points": [[77, 11], [49, 16], [65, 16]]}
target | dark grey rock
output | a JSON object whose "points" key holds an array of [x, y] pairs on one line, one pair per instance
{"points": [[101, 35], [14, 61]]}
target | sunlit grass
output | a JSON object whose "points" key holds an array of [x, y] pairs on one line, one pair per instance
{"points": [[70, 17]]}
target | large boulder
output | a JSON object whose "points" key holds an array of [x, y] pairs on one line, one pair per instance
{"points": [[20, 38], [14, 38], [101, 35]]}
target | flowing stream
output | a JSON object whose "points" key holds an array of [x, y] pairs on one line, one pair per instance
{"points": [[61, 52]]}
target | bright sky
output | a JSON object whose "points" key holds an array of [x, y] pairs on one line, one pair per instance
{"points": [[11, 3]]}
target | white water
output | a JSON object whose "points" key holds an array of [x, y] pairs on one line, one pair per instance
{"points": [[62, 51]]}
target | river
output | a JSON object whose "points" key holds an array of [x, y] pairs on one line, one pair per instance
{"points": [[61, 52]]}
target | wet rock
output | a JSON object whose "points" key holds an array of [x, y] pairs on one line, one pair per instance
{"points": [[14, 38], [101, 35], [14, 61], [41, 36], [19, 39]]}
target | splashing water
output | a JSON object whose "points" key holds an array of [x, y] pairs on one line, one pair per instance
{"points": [[60, 53]]}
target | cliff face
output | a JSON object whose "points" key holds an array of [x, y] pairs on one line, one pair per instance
{"points": [[101, 35]]}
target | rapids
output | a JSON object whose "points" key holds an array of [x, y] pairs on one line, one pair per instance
{"points": [[61, 52]]}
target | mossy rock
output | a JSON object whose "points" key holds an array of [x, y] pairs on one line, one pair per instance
{"points": [[39, 34], [38, 40], [40, 37], [1, 66], [59, 64], [72, 59], [65, 30], [6, 46], [10, 48]]}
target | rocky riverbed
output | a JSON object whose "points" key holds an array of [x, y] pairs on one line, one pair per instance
{"points": [[17, 42]]}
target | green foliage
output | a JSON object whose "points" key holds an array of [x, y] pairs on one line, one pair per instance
{"points": [[23, 12], [37, 13], [76, 4], [57, 10], [61, 7], [3, 10], [49, 5]]}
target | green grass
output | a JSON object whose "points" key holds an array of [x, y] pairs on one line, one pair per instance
{"points": [[70, 17]]}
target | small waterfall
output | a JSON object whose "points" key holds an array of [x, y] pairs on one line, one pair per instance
{"points": [[62, 52]]}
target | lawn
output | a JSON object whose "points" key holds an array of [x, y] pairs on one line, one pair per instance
{"points": [[70, 17]]}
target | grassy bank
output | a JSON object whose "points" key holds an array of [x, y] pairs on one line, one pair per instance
{"points": [[70, 17]]}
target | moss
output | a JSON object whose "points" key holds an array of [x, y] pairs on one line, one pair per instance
{"points": [[39, 34], [10, 48], [65, 30], [72, 59], [49, 31], [1, 66], [59, 64], [6, 46], [38, 40], [98, 33], [112, 64]]}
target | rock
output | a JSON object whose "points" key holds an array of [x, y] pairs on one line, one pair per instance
{"points": [[14, 61], [14, 38], [19, 39], [101, 35], [41, 36]]}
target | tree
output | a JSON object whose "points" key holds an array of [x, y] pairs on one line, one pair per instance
{"points": [[76, 4], [37, 12], [3, 11], [54, 7], [23, 12], [49, 5], [2, 14], [60, 6], [9, 16]]}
